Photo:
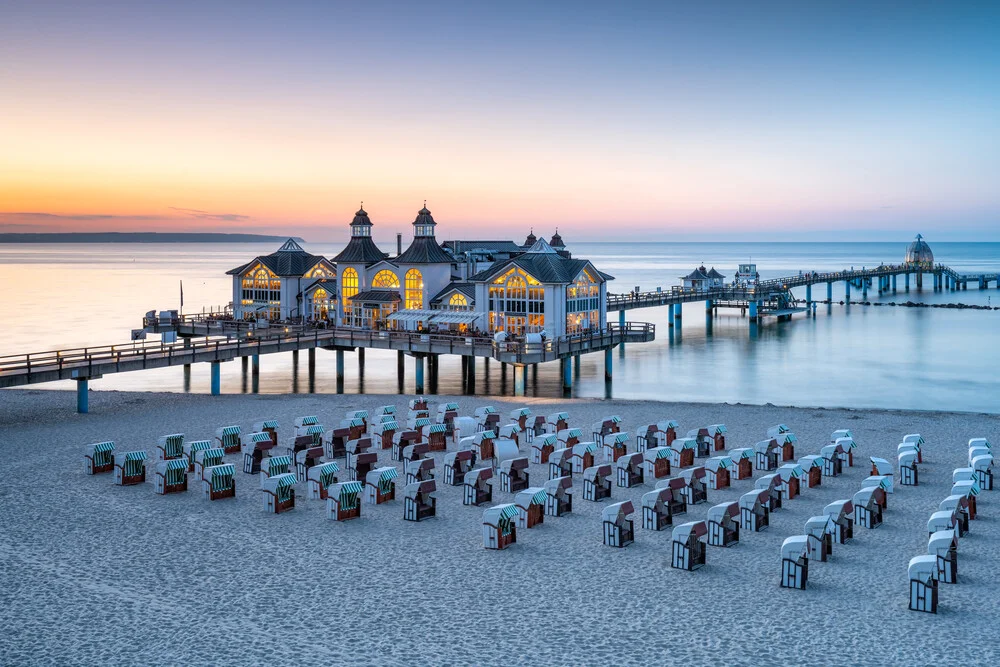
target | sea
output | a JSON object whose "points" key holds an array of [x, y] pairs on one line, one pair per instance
{"points": [[61, 296]]}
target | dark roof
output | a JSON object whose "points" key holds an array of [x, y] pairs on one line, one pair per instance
{"points": [[556, 241], [424, 250], [545, 267], [361, 218], [376, 296], [330, 285], [715, 274], [360, 250], [489, 246], [697, 274], [468, 289], [424, 217], [530, 240], [289, 260]]}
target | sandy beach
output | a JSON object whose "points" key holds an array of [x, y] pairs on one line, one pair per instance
{"points": [[98, 574]]}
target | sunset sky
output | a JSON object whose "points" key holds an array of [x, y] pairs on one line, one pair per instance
{"points": [[693, 121]]}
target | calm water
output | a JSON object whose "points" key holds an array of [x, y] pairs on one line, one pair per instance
{"points": [[75, 295]]}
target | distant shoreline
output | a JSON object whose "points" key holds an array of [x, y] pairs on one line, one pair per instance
{"points": [[140, 237]]}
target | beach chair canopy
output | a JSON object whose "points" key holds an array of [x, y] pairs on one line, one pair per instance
{"points": [[765, 446], [505, 449], [534, 496], [839, 508], [451, 458], [517, 413], [865, 496], [354, 422], [846, 443], [675, 484], [914, 438], [420, 465], [723, 512], [582, 448], [717, 463], [613, 439], [753, 498], [922, 568], [416, 449], [483, 435], [343, 489], [963, 475], [417, 404], [385, 427], [514, 464], [978, 451], [666, 425], [680, 444], [654, 453], [568, 433], [549, 440], [841, 433], [982, 463], [741, 453], [172, 439], [881, 465], [494, 515], [479, 474], [795, 547], [685, 531], [101, 447], [359, 445], [941, 542], [645, 431], [173, 464], [786, 438], [810, 461], [790, 470], [817, 526], [904, 447], [559, 483], [830, 452], [777, 430], [386, 410], [225, 431], [279, 483], [484, 410], [980, 442], [883, 482], [356, 414], [557, 417], [197, 445], [594, 473], [717, 429], [267, 423], [510, 430], [954, 503], [656, 497], [137, 455], [907, 459], [691, 474], [421, 422], [630, 460], [328, 469], [413, 490], [617, 512], [767, 482], [381, 476], [560, 456], [941, 520], [306, 421], [221, 476]]}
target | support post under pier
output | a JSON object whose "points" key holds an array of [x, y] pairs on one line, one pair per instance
{"points": [[216, 378], [518, 380], [567, 375], [607, 365], [670, 315], [847, 291], [82, 399], [418, 373]]}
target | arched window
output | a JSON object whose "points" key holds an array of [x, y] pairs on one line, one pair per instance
{"points": [[348, 285], [318, 271], [321, 304], [517, 303], [458, 299], [414, 289], [260, 287], [385, 279], [583, 303]]}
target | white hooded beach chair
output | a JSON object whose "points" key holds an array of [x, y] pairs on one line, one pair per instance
{"points": [[775, 489], [682, 451], [504, 450], [795, 562], [191, 447], [465, 427], [530, 505], [791, 475], [419, 500], [820, 537], [618, 527], [456, 464], [629, 470], [561, 463], [512, 432], [401, 440], [923, 584], [557, 421], [255, 447], [645, 437], [767, 454], [943, 521], [695, 489], [611, 424], [206, 458], [833, 464], [227, 438], [542, 447], [717, 472], [943, 545], [583, 456], [656, 514], [384, 433], [615, 446], [812, 469], [487, 418], [884, 481], [907, 462], [559, 496], [743, 458], [755, 510], [514, 474], [959, 506], [520, 416], [269, 426], [666, 432], [483, 445], [500, 526], [983, 467], [279, 493], [880, 466], [569, 437], [917, 441], [171, 476], [478, 487], [597, 482], [418, 470], [274, 465], [320, 478], [130, 467], [841, 513], [99, 457], [380, 485], [724, 525], [777, 430], [415, 452], [218, 481], [867, 508], [846, 453], [711, 438], [436, 436], [343, 500], [688, 545], [678, 496], [170, 447], [970, 489], [656, 461]]}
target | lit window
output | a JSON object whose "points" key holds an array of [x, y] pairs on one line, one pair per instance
{"points": [[414, 290], [458, 299], [385, 279], [349, 285]]}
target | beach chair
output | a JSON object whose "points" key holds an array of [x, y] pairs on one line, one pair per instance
{"points": [[437, 437], [820, 537], [943, 545], [907, 462], [833, 464], [629, 470], [795, 562], [306, 459], [841, 513], [384, 433], [401, 440], [301, 423], [380, 485], [618, 527], [419, 500], [583, 456], [384, 411], [171, 476], [193, 446], [418, 470], [724, 525], [917, 441], [755, 510], [880, 466], [743, 458], [355, 448], [791, 475], [767, 453], [717, 472], [206, 458], [646, 437], [170, 447], [812, 468], [678, 497], [777, 430], [320, 478], [611, 424], [530, 505], [99, 457], [709, 439], [970, 489], [456, 464], [514, 474], [255, 446], [615, 446], [418, 404], [774, 486], [512, 432], [656, 461], [130, 468], [846, 452], [363, 415], [218, 481], [656, 514], [983, 467], [499, 526], [569, 437], [884, 481], [542, 447], [922, 571], [688, 545], [561, 463], [682, 451], [478, 487], [559, 496], [695, 489], [959, 506], [482, 445], [269, 426], [335, 441], [487, 418], [943, 521], [415, 452], [597, 482], [446, 415], [666, 432], [867, 509], [227, 438], [279, 493], [343, 501], [356, 427], [522, 417], [504, 450], [557, 421], [464, 427]]}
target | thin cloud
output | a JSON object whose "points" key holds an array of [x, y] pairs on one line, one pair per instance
{"points": [[36, 215], [205, 215]]}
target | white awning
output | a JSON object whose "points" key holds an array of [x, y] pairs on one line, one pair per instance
{"points": [[413, 315], [436, 316]]}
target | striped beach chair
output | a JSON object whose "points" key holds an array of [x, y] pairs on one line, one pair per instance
{"points": [[170, 447], [219, 481], [99, 457], [130, 468]]}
